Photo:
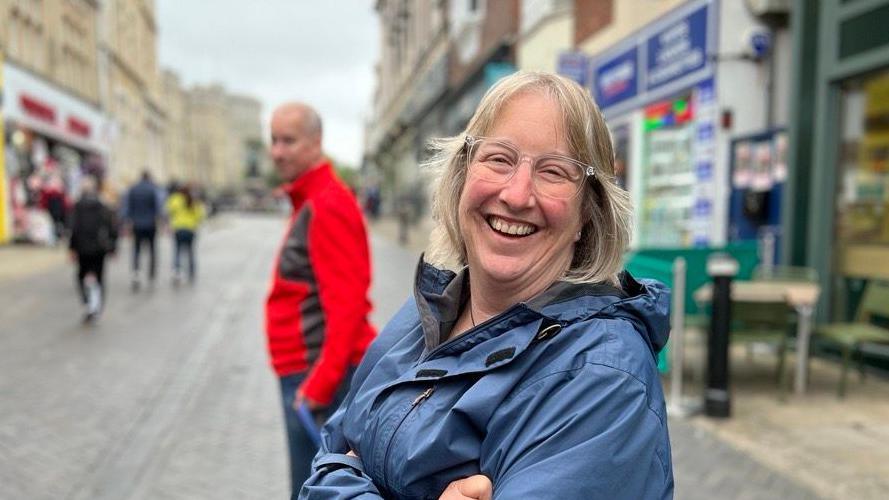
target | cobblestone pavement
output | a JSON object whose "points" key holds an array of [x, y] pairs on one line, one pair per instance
{"points": [[170, 396], [706, 468]]}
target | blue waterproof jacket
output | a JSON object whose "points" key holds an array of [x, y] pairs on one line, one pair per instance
{"points": [[557, 397]]}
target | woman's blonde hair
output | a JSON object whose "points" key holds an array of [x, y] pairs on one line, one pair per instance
{"points": [[605, 207]]}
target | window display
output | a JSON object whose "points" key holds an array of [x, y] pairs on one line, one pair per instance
{"points": [[862, 221], [669, 181]]}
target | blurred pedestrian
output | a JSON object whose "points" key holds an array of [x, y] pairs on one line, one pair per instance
{"points": [[185, 213], [93, 236], [142, 210], [317, 308], [54, 201], [369, 199]]}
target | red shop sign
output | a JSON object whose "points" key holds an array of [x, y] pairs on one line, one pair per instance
{"points": [[37, 108], [78, 127]]}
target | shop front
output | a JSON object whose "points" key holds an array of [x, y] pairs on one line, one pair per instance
{"points": [[838, 206], [657, 91], [51, 139]]}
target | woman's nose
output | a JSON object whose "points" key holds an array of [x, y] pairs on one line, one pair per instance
{"points": [[518, 191]]}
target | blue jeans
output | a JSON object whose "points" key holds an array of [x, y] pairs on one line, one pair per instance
{"points": [[184, 243], [302, 449], [146, 236]]}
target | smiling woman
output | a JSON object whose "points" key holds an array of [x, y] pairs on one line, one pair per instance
{"points": [[524, 365]]}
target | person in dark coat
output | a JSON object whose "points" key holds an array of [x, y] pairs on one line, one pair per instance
{"points": [[93, 237]]}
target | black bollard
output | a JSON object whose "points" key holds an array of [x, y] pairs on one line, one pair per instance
{"points": [[717, 400]]}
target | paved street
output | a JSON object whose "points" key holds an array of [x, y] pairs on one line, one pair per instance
{"points": [[170, 396]]}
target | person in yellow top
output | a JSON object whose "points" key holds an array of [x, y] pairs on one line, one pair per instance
{"points": [[185, 214]]}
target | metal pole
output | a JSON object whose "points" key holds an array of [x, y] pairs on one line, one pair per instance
{"points": [[677, 334], [804, 330], [767, 249], [717, 400]]}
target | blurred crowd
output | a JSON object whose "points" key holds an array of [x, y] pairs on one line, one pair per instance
{"points": [[44, 189]]}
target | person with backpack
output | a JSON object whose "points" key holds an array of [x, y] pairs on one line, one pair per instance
{"points": [[93, 237]]}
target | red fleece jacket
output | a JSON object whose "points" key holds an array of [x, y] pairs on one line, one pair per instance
{"points": [[317, 307]]}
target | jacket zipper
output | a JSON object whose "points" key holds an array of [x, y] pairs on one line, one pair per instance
{"points": [[416, 402], [423, 395]]}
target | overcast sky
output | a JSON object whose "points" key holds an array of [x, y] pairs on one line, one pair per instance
{"points": [[320, 52]]}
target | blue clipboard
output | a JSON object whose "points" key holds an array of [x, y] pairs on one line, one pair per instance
{"points": [[308, 423]]}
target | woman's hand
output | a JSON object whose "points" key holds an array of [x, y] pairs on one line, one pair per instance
{"points": [[477, 487]]}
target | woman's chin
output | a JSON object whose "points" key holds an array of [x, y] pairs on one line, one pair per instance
{"points": [[503, 270]]}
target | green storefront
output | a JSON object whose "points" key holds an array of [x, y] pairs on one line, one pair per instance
{"points": [[836, 213]]}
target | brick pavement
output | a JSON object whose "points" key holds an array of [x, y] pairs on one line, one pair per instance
{"points": [[705, 467], [20, 260], [169, 396]]}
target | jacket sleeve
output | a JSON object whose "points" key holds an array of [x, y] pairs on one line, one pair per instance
{"points": [[111, 221], [582, 433], [341, 262], [337, 476], [74, 224]]}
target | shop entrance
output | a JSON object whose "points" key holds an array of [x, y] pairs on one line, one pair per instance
{"points": [[861, 232]]}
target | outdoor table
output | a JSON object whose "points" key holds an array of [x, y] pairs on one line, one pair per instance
{"points": [[799, 295]]}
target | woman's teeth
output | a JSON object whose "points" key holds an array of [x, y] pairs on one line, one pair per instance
{"points": [[511, 228]]}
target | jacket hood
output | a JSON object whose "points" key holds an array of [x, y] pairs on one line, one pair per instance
{"points": [[441, 294]]}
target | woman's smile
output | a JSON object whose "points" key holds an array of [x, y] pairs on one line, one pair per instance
{"points": [[510, 228]]}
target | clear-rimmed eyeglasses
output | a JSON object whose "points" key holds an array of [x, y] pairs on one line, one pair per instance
{"points": [[553, 175]]}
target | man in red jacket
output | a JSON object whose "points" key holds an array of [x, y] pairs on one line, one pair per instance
{"points": [[317, 308]]}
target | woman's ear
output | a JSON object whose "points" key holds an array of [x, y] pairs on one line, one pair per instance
{"points": [[577, 237]]}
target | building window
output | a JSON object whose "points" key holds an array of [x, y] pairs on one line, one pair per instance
{"points": [[864, 167]]}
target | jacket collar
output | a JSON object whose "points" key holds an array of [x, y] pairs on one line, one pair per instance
{"points": [[308, 182], [441, 294]]}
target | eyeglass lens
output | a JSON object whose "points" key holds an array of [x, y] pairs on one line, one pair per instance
{"points": [[553, 175]]}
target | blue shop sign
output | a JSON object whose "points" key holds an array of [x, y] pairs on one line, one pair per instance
{"points": [[616, 79], [704, 170], [573, 65], [677, 50], [706, 132]]}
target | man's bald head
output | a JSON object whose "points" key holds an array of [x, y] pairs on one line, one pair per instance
{"points": [[296, 139], [309, 118]]}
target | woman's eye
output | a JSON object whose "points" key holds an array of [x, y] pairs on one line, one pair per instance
{"points": [[497, 158], [554, 172]]}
